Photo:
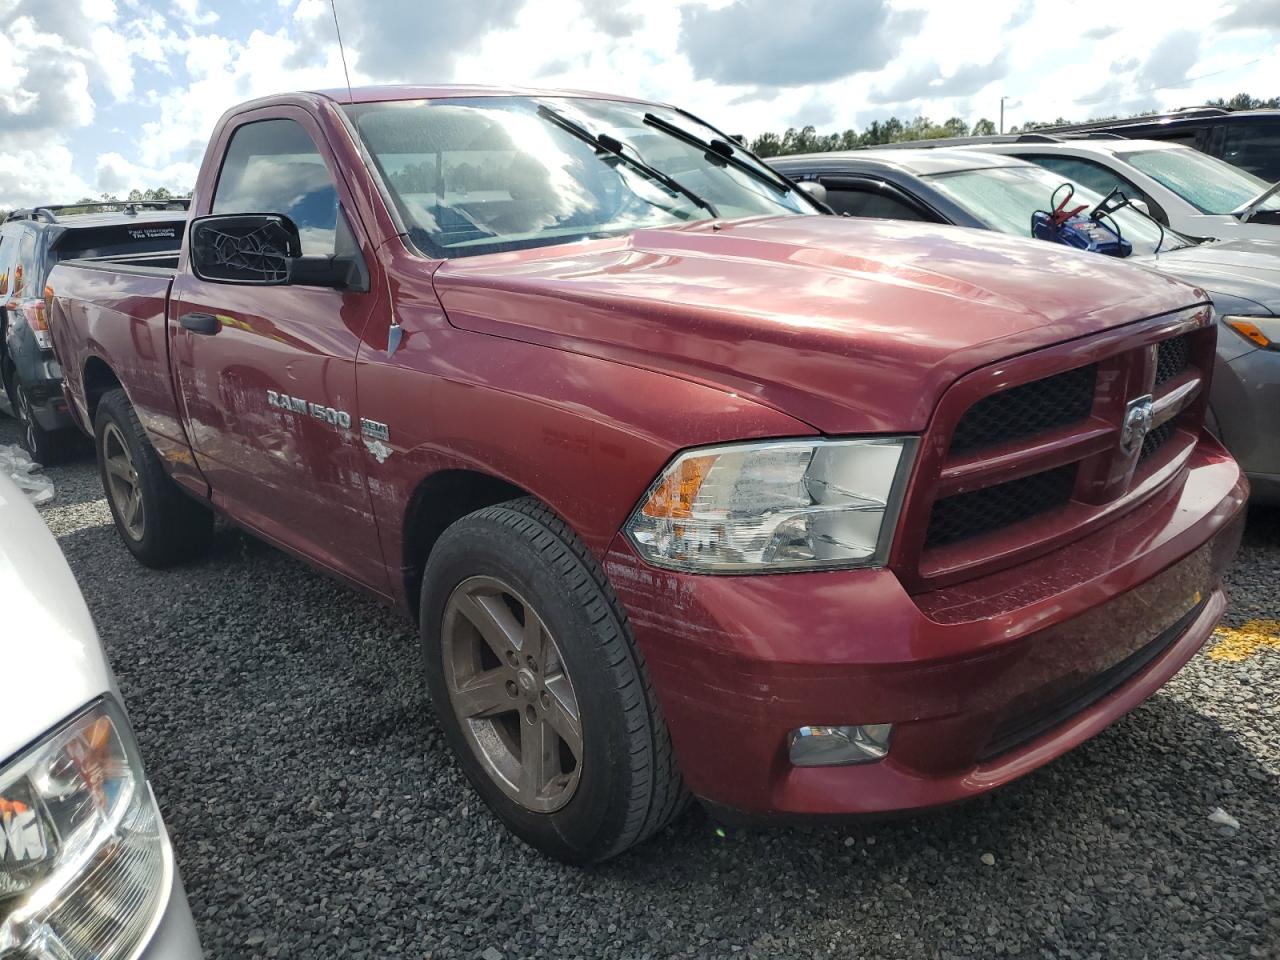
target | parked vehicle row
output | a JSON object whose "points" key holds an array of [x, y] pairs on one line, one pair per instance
{"points": [[983, 187], [693, 490], [31, 242]]}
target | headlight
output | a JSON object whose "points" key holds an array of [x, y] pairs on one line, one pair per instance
{"points": [[83, 861], [1261, 331], [774, 505]]}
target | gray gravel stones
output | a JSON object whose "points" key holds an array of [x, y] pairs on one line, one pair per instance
{"points": [[317, 814]]}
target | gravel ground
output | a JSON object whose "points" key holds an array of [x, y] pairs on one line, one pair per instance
{"points": [[317, 813]]}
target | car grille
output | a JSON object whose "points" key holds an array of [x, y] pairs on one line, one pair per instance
{"points": [[1044, 456], [991, 508], [1154, 440], [1172, 358], [1056, 401]]}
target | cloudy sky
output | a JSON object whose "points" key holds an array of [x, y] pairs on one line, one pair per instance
{"points": [[105, 95]]}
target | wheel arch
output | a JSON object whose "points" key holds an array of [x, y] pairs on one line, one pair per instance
{"points": [[439, 500], [97, 378]]}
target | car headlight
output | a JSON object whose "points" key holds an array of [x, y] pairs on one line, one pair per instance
{"points": [[1260, 331], [83, 860], [774, 505]]}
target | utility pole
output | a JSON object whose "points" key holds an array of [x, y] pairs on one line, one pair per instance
{"points": [[1002, 100]]}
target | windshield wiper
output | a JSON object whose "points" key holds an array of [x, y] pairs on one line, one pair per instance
{"points": [[718, 151], [614, 147], [1247, 210]]}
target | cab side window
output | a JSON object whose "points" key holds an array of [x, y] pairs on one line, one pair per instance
{"points": [[273, 166], [866, 201], [1095, 176]]}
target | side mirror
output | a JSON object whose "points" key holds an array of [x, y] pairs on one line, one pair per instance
{"points": [[265, 249], [1140, 206], [814, 189], [249, 248]]}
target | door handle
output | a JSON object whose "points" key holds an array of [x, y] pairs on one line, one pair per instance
{"points": [[205, 323]]}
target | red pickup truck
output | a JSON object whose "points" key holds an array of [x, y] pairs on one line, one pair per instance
{"points": [[692, 490]]}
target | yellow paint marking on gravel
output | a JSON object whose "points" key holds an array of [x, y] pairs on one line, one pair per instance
{"points": [[1237, 644]]}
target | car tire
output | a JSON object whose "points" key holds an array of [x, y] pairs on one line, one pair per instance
{"points": [[45, 447], [160, 524], [519, 557]]}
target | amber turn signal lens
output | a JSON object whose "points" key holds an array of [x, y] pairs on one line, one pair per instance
{"points": [[673, 497], [1260, 331]]}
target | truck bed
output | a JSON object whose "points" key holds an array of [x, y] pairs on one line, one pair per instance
{"points": [[111, 314]]}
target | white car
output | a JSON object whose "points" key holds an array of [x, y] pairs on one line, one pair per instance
{"points": [[86, 868], [1196, 194]]}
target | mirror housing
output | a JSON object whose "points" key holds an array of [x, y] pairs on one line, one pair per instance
{"points": [[814, 189], [1140, 206], [265, 249], [246, 248]]}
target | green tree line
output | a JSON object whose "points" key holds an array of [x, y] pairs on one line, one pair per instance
{"points": [[808, 140]]}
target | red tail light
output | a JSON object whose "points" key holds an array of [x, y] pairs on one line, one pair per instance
{"points": [[33, 310]]}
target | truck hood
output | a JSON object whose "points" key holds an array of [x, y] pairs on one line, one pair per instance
{"points": [[849, 325], [50, 656], [1227, 270]]}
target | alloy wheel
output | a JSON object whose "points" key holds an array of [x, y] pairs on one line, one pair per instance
{"points": [[26, 419], [122, 481], [512, 696]]}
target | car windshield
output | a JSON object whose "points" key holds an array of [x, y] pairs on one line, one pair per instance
{"points": [[1207, 183], [491, 174], [1004, 198]]}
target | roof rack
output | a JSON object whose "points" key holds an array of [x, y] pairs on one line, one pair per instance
{"points": [[48, 213]]}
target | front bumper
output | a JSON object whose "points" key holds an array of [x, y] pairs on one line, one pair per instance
{"points": [[985, 680]]}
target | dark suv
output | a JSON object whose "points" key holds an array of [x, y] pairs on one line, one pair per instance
{"points": [[31, 242], [1250, 139]]}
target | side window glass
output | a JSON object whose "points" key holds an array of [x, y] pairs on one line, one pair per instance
{"points": [[1096, 177], [273, 166], [8, 246], [26, 271], [855, 202], [1255, 147]]}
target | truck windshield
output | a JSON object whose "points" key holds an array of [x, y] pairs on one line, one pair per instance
{"points": [[1004, 198], [1205, 182], [491, 174]]}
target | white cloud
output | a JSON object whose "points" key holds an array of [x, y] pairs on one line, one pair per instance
{"points": [[163, 71]]}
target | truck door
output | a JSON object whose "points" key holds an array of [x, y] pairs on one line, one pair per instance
{"points": [[266, 374]]}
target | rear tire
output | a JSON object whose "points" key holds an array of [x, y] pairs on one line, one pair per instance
{"points": [[160, 524], [612, 781], [46, 447]]}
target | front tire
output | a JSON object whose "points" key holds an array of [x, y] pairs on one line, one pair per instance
{"points": [[159, 524], [537, 682]]}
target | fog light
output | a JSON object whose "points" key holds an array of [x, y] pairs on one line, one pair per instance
{"points": [[831, 746]]}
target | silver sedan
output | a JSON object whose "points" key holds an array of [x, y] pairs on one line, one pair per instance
{"points": [[86, 867]]}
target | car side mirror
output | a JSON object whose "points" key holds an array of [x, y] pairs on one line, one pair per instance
{"points": [[265, 249], [248, 248], [814, 189], [1140, 206]]}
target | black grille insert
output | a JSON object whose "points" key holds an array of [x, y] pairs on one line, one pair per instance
{"points": [[1156, 439], [1022, 411], [993, 508], [1172, 357]]}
